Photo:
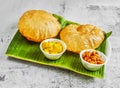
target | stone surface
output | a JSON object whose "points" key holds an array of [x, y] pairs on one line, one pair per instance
{"points": [[19, 74]]}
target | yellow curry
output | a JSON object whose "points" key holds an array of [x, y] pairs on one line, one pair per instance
{"points": [[52, 47]]}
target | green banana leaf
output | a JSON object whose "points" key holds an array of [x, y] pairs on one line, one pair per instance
{"points": [[21, 48]]}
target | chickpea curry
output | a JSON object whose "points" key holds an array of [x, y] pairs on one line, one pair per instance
{"points": [[92, 57]]}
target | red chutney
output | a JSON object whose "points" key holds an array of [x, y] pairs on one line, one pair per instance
{"points": [[92, 57]]}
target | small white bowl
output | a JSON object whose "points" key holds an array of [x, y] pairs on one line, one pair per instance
{"points": [[53, 56], [90, 66]]}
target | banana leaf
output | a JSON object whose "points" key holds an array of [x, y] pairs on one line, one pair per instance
{"points": [[21, 48]]}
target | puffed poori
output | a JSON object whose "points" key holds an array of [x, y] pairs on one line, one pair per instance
{"points": [[37, 25], [80, 37]]}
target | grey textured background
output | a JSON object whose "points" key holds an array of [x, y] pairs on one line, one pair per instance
{"points": [[19, 74]]}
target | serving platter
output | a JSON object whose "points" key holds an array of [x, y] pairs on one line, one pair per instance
{"points": [[22, 49]]}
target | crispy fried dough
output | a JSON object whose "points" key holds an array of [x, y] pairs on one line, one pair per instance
{"points": [[80, 37], [37, 25]]}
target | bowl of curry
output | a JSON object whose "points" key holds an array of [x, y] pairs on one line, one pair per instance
{"points": [[92, 59], [53, 48]]}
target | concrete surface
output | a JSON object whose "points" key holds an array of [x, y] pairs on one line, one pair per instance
{"points": [[19, 74]]}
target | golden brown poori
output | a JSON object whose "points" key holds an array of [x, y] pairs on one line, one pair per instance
{"points": [[80, 37], [37, 25]]}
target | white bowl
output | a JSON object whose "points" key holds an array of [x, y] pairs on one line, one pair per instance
{"points": [[90, 66], [53, 56]]}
